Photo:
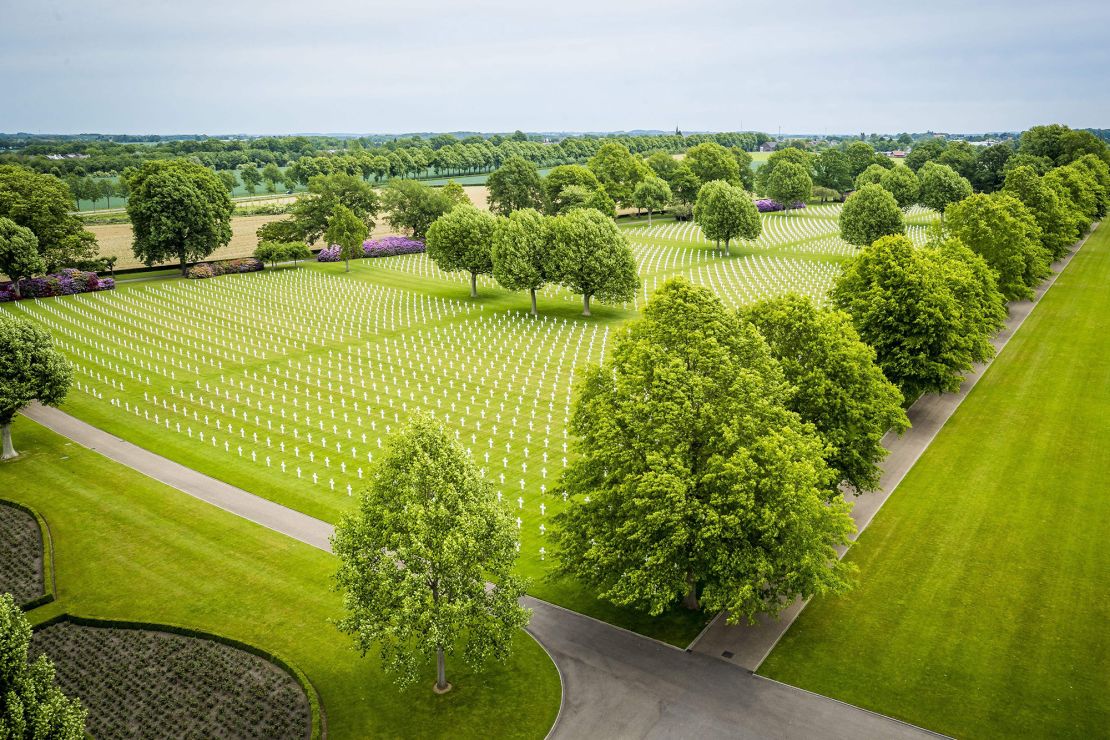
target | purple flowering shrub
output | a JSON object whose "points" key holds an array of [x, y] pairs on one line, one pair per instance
{"points": [[391, 245], [766, 205], [328, 254], [65, 282], [224, 267]]}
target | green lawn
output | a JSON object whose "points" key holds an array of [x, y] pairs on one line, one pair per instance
{"points": [[127, 547], [982, 606]]}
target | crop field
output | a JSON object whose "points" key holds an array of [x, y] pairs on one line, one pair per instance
{"points": [[288, 383]]}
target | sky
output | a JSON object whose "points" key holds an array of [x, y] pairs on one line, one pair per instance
{"points": [[276, 67]]}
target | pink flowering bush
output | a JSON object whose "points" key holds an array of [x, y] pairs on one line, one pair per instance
{"points": [[65, 282]]}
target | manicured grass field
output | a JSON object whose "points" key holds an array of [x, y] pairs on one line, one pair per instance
{"points": [[288, 383], [129, 548], [982, 606]]}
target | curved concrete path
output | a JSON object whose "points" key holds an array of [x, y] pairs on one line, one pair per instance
{"points": [[616, 684]]}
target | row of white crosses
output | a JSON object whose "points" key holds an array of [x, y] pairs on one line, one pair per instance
{"points": [[502, 383], [742, 281]]}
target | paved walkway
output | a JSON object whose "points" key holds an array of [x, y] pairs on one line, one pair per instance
{"points": [[748, 645], [616, 684]]}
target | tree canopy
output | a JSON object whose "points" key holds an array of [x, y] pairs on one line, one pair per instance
{"points": [[462, 239], [30, 370], [903, 184], [558, 199], [652, 194], [832, 170], [19, 252], [941, 186], [837, 386], [711, 161], [726, 212], [348, 231], [522, 253], [592, 257], [618, 171], [514, 185], [869, 213], [42, 203], [413, 206], [1056, 225], [416, 556], [789, 184], [693, 480], [179, 210]]}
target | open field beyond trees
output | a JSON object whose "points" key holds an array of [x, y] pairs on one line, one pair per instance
{"points": [[981, 608], [158, 555]]}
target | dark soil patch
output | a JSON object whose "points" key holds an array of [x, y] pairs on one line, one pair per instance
{"points": [[20, 555], [149, 684]]}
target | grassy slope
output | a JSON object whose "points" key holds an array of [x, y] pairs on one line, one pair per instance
{"points": [[981, 609], [127, 547]]}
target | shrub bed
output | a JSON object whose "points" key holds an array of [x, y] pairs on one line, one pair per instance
{"points": [[65, 282], [387, 246], [766, 205], [224, 267], [139, 682], [21, 553]]}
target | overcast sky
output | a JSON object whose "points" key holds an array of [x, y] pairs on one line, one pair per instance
{"points": [[248, 66]]}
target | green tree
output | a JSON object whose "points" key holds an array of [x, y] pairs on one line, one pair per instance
{"points": [[685, 185], [837, 386], [19, 253], [1056, 224], [560, 178], [514, 185], [592, 257], [860, 155], [711, 161], [871, 175], [869, 213], [960, 156], [924, 151], [652, 194], [349, 232], [726, 212], [227, 177], [251, 177], [662, 164], [941, 186], [462, 239], [521, 252], [832, 170], [416, 555], [790, 183], [617, 171], [30, 370], [929, 314], [990, 167], [271, 174], [312, 213], [41, 203], [902, 183], [32, 707], [744, 164], [789, 155], [178, 209], [693, 481], [413, 206], [1002, 230]]}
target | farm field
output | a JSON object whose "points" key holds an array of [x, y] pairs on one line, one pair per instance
{"points": [[981, 609], [158, 555], [287, 383]]}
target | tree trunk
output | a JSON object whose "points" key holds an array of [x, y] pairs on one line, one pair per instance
{"points": [[15, 286], [586, 304], [649, 217], [718, 246], [725, 253], [348, 263], [184, 268], [691, 599], [9, 450], [442, 687], [473, 285], [534, 311]]}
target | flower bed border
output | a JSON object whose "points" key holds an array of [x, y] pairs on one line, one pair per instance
{"points": [[49, 586]]}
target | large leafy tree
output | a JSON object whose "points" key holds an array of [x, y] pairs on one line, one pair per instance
{"points": [[618, 171], [860, 156], [413, 206], [837, 386], [871, 175], [558, 199], [592, 257], [924, 151], [694, 482], [789, 184], [903, 184], [32, 707], [685, 185], [348, 231], [928, 313], [960, 156], [662, 164], [711, 161], [30, 370], [832, 170], [1002, 230], [726, 212], [179, 210], [789, 155], [869, 213], [522, 254], [652, 194], [1056, 224], [990, 167], [514, 185], [416, 556], [42, 203], [250, 176], [19, 252], [941, 186], [462, 239], [312, 213]]}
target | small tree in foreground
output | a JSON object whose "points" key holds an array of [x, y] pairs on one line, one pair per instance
{"points": [[694, 482], [31, 705], [870, 213], [19, 252], [30, 370], [349, 232], [415, 558]]}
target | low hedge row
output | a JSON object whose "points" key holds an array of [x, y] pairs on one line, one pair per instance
{"points": [[224, 267]]}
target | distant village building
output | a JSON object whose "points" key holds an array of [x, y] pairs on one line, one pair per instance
{"points": [[67, 156], [767, 146], [898, 154]]}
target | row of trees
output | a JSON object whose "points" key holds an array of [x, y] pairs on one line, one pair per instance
{"points": [[582, 250]]}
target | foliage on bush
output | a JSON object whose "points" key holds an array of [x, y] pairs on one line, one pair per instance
{"points": [[766, 205], [66, 282], [224, 267], [392, 245], [328, 254]]}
